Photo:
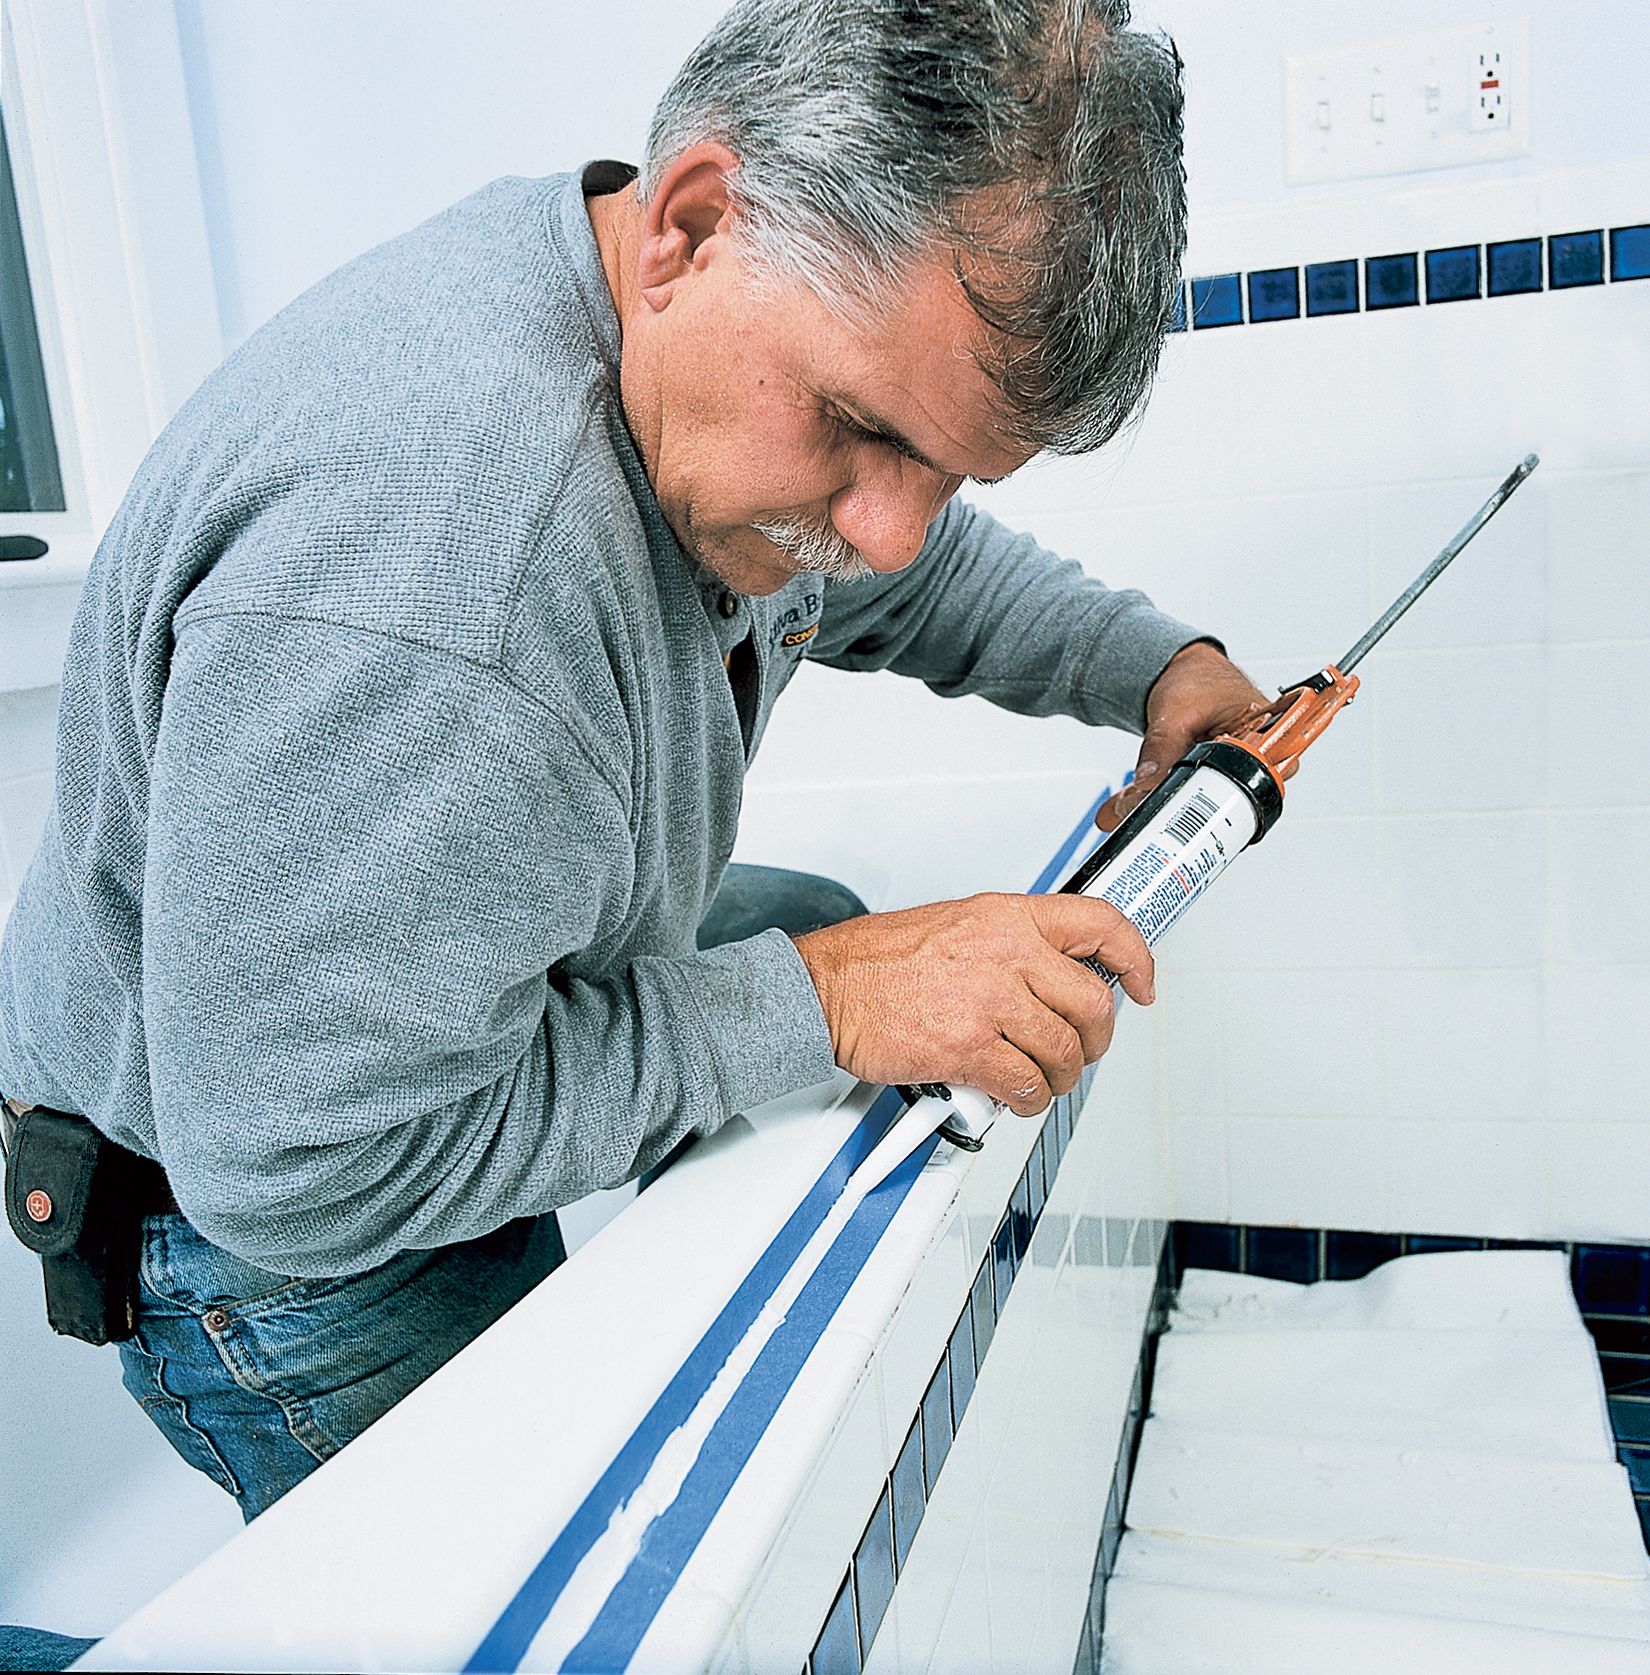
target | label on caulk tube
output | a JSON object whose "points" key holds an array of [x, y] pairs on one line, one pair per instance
{"points": [[1192, 839]]}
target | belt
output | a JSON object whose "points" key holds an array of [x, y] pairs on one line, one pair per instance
{"points": [[152, 1192]]}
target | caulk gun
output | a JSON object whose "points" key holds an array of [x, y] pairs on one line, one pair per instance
{"points": [[1222, 796]]}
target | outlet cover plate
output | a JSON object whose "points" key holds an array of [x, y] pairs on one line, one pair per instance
{"points": [[1403, 104]]}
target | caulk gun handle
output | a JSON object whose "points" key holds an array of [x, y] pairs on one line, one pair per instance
{"points": [[1279, 734]]}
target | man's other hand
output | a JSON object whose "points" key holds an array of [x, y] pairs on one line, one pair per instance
{"points": [[986, 992], [1199, 694]]}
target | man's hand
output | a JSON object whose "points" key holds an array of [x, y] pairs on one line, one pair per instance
{"points": [[1199, 694], [985, 992]]}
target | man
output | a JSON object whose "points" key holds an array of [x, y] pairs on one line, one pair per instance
{"points": [[406, 715]]}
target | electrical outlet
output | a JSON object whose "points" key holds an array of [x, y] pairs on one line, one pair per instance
{"points": [[1490, 109], [1406, 103]]}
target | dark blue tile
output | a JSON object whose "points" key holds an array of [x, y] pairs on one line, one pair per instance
{"points": [[1611, 1279], [1002, 1259], [1626, 1375], [937, 1428], [1637, 1462], [1514, 266], [1019, 1219], [984, 1311], [836, 1651], [1575, 259], [1352, 1255], [910, 1492], [1332, 288], [1035, 1177], [1630, 252], [874, 1572], [1421, 1244], [1641, 1504], [1177, 310], [1217, 301], [960, 1353], [1619, 1337], [1390, 281], [1282, 1253], [1275, 294], [1097, 1605], [1205, 1244], [1630, 1419], [1452, 274]]}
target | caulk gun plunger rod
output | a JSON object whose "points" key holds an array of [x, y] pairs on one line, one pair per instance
{"points": [[1437, 567]]}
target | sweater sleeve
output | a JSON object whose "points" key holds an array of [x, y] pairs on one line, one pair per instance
{"points": [[371, 874], [983, 610]]}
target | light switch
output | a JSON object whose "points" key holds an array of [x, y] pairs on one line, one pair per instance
{"points": [[1323, 113], [1377, 107]]}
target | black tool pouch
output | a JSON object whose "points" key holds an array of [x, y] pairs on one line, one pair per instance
{"points": [[70, 1198]]}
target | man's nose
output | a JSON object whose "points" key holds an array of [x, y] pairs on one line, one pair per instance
{"points": [[886, 515]]}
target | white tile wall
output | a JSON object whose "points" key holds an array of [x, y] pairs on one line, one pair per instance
{"points": [[1437, 963], [28, 727], [1426, 1010]]}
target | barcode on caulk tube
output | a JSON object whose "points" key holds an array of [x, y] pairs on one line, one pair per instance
{"points": [[1198, 812]]}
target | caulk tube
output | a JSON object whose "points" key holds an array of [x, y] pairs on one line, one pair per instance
{"points": [[1217, 800]]}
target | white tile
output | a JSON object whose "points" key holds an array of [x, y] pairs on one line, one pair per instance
{"points": [[1462, 1045], [1478, 1178], [1599, 1180], [1493, 592], [1596, 346], [1465, 890], [28, 731], [1598, 584], [1312, 895], [1191, 1061], [1596, 1021], [24, 805], [1305, 1172], [1598, 863], [1448, 393], [1595, 750], [1274, 576], [1459, 729], [1330, 1066]]}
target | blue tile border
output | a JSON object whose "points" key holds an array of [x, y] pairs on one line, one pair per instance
{"points": [[1452, 273], [902, 1498], [1611, 1285]]}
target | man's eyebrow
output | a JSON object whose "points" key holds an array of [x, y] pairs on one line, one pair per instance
{"points": [[886, 432]]}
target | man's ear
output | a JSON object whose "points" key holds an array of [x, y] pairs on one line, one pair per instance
{"points": [[690, 207]]}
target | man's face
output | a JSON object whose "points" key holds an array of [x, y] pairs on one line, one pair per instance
{"points": [[780, 439]]}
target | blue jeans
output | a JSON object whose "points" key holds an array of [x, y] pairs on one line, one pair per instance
{"points": [[255, 1378]]}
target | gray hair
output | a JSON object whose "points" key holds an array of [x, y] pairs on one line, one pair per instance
{"points": [[1035, 143]]}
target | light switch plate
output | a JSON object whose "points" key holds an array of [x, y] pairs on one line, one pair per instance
{"points": [[1406, 104]]}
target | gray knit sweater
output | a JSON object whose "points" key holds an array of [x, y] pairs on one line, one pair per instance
{"points": [[398, 763]]}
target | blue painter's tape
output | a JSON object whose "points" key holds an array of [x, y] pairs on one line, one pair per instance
{"points": [[506, 1643], [1085, 828], [672, 1537], [508, 1639]]}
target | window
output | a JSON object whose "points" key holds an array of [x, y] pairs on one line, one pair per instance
{"points": [[30, 478]]}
